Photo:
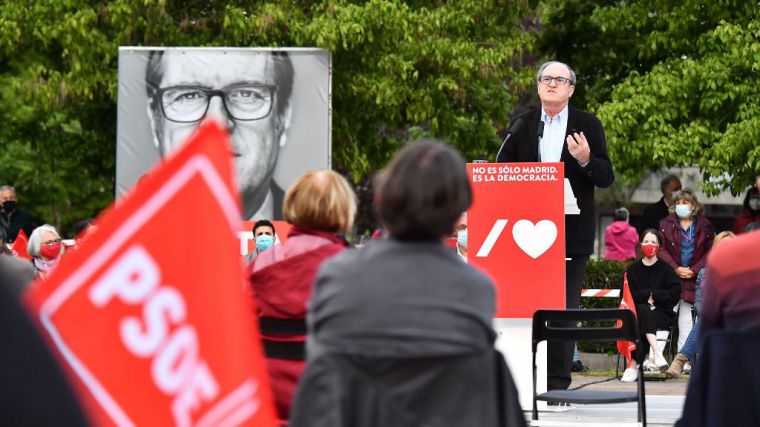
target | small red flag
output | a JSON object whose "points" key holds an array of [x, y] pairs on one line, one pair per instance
{"points": [[19, 245], [149, 314], [626, 347]]}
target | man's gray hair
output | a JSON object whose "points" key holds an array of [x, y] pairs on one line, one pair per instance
{"points": [[665, 183], [35, 240], [7, 187], [546, 64]]}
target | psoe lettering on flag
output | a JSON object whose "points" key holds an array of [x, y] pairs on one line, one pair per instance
{"points": [[150, 318]]}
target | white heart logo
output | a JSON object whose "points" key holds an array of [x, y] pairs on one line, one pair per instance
{"points": [[534, 240]]}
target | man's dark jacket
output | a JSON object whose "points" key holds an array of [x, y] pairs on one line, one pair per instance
{"points": [[523, 147], [652, 216], [18, 220]]}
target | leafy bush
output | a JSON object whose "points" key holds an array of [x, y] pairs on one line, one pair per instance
{"points": [[602, 274]]}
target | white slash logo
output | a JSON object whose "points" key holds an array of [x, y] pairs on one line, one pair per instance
{"points": [[493, 235]]}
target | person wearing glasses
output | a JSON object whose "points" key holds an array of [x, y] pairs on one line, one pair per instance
{"points": [[46, 248], [575, 138], [248, 92]]}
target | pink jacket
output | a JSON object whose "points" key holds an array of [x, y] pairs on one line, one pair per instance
{"points": [[620, 240]]}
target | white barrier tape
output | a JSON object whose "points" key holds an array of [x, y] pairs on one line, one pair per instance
{"points": [[605, 293]]}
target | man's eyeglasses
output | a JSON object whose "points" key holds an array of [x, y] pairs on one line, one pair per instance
{"points": [[51, 242], [188, 104], [547, 80]]}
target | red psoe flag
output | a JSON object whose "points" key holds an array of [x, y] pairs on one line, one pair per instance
{"points": [[149, 314], [626, 347], [19, 245]]}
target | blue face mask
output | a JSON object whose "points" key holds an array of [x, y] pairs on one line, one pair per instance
{"points": [[462, 238], [683, 211], [264, 242]]}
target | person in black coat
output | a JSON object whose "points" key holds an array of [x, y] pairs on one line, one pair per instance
{"points": [[655, 289], [660, 209], [576, 138]]}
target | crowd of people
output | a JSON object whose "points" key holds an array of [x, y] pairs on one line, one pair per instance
{"points": [[668, 280], [399, 331]]}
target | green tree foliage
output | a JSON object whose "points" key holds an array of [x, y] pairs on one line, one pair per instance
{"points": [[448, 69], [674, 82]]}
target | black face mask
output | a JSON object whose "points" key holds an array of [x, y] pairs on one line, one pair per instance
{"points": [[9, 206]]}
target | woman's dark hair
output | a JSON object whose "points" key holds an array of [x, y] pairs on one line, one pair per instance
{"points": [[262, 223], [423, 191], [79, 227], [621, 214], [751, 192], [652, 231]]}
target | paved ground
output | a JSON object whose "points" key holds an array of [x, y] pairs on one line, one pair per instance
{"points": [[656, 385], [664, 403]]}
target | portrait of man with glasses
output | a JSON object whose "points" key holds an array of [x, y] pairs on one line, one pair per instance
{"points": [[248, 92], [559, 132], [274, 102]]}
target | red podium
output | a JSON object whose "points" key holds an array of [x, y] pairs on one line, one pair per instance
{"points": [[516, 227], [516, 233]]}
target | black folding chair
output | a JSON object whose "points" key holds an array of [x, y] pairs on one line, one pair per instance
{"points": [[562, 325]]}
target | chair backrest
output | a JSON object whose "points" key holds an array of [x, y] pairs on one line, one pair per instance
{"points": [[562, 325], [339, 389]]}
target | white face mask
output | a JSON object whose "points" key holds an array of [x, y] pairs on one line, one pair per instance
{"points": [[462, 238], [754, 203], [683, 211]]}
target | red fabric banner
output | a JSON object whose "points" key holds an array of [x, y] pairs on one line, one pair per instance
{"points": [[19, 245], [626, 347], [149, 314]]}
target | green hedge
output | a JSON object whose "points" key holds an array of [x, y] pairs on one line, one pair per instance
{"points": [[602, 274]]}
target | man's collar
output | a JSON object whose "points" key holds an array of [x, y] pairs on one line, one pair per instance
{"points": [[562, 116]]}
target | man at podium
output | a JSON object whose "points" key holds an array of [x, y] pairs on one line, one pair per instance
{"points": [[558, 132]]}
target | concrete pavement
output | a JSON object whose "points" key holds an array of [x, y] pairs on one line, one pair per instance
{"points": [[664, 402]]}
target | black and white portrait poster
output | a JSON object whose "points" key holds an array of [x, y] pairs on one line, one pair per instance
{"points": [[274, 102]]}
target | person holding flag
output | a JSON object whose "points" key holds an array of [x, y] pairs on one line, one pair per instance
{"points": [[654, 290]]}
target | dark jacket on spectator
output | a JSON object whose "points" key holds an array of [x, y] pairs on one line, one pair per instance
{"points": [[704, 233], [652, 215], [18, 220]]}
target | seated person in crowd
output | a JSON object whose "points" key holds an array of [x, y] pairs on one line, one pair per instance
{"points": [[658, 210], [46, 248], [689, 350], [750, 213], [620, 238], [13, 219], [264, 236], [397, 300], [321, 206], [461, 236], [5, 248], [687, 236], [655, 289], [732, 287]]}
